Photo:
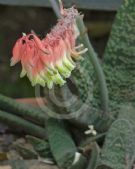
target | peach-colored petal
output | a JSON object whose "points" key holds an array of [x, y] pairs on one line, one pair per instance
{"points": [[49, 61]]}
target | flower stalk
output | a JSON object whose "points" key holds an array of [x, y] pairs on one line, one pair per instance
{"points": [[94, 60]]}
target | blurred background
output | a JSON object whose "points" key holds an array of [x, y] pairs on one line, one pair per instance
{"points": [[17, 16]]}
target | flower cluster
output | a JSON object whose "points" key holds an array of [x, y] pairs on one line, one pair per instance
{"points": [[50, 60]]}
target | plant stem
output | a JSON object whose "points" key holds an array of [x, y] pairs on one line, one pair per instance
{"points": [[55, 8], [17, 122], [95, 61], [92, 139]]}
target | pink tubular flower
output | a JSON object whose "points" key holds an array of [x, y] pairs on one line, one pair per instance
{"points": [[51, 59]]}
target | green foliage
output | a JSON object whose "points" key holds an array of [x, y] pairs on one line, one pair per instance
{"points": [[12, 106], [41, 146], [119, 148], [119, 63], [62, 146], [119, 68], [15, 122]]}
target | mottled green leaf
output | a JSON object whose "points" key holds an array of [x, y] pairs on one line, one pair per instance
{"points": [[62, 145], [119, 149]]}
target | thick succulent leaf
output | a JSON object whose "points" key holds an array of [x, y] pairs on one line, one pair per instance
{"points": [[119, 148], [119, 60], [62, 146]]}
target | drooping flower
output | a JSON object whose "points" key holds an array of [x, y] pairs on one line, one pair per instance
{"points": [[50, 60]]}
